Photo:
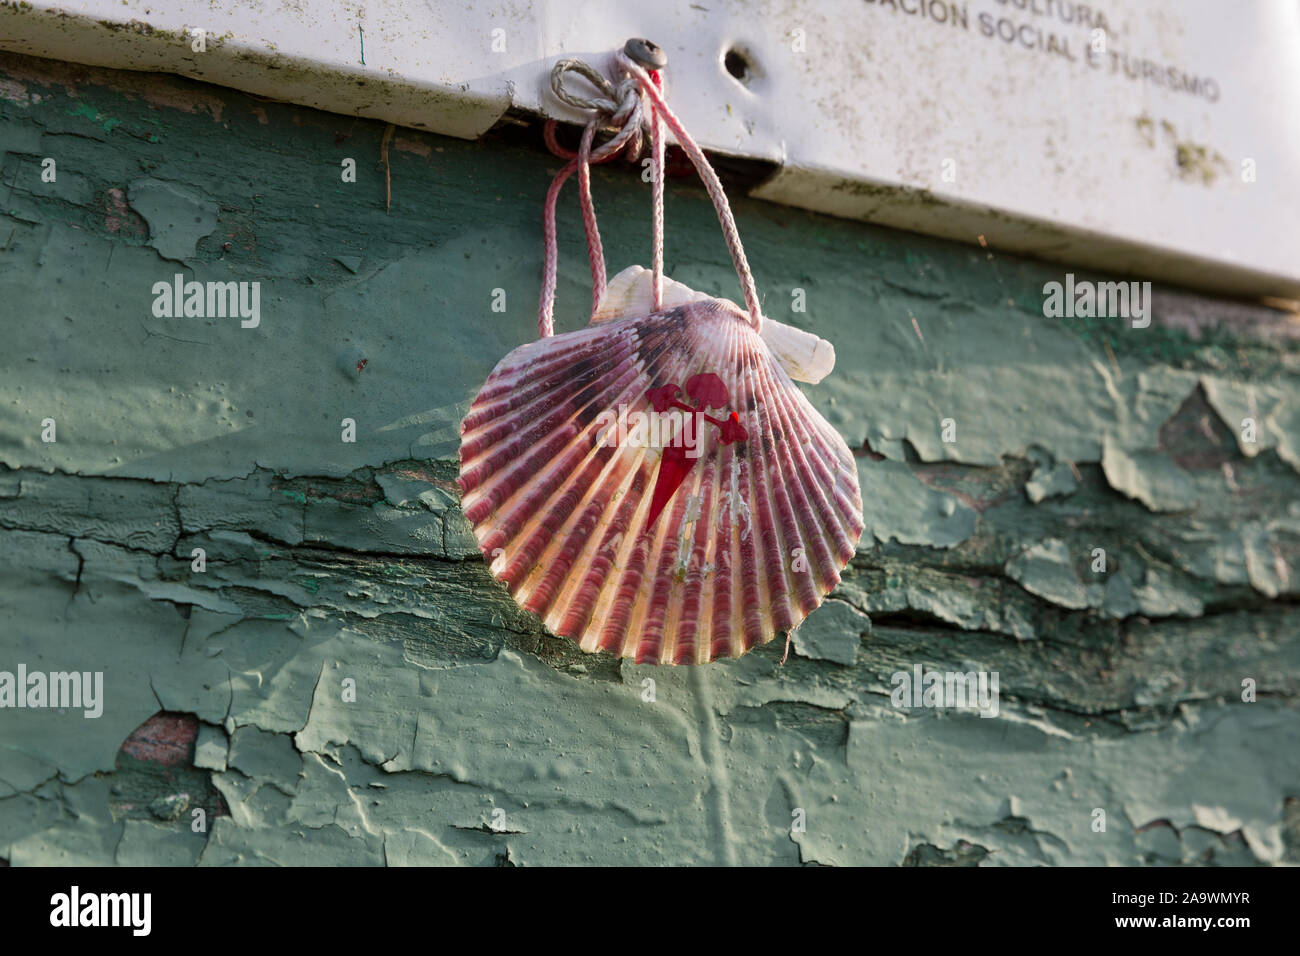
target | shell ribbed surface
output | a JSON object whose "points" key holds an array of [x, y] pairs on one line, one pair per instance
{"points": [[758, 501]]}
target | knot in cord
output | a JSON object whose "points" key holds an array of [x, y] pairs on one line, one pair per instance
{"points": [[634, 102], [620, 106]]}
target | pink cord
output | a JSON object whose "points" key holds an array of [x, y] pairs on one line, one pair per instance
{"points": [[711, 183], [550, 256], [627, 113], [657, 201], [595, 251], [580, 160]]}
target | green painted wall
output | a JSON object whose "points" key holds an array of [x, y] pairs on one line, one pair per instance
{"points": [[1120, 690]]}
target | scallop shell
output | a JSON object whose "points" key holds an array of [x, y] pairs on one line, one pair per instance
{"points": [[723, 518]]}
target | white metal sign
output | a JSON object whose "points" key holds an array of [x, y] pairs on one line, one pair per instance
{"points": [[1157, 138]]}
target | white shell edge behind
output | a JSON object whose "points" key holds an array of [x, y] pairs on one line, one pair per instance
{"points": [[804, 356]]}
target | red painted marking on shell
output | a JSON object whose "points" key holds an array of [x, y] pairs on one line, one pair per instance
{"points": [[708, 391]]}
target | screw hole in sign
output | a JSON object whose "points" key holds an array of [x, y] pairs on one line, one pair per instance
{"points": [[738, 63]]}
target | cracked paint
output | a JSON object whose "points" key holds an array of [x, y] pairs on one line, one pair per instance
{"points": [[354, 688], [178, 217]]}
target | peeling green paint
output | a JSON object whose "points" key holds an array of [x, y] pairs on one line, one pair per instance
{"points": [[178, 217], [106, 123], [329, 561]]}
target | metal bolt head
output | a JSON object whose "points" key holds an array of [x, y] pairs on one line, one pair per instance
{"points": [[646, 53]]}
